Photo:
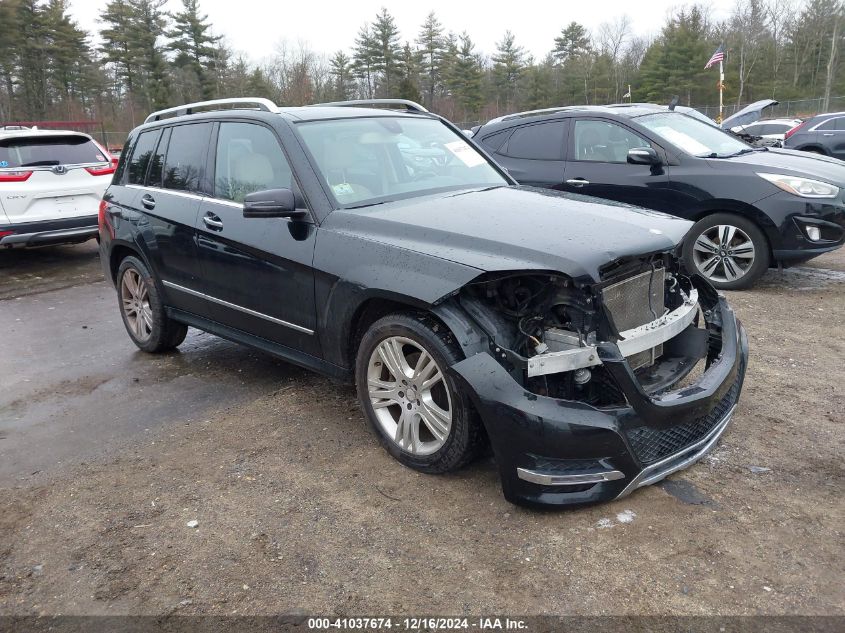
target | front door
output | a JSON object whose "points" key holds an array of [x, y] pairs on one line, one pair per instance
{"points": [[597, 165], [257, 271]]}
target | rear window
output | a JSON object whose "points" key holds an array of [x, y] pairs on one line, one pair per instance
{"points": [[44, 151]]}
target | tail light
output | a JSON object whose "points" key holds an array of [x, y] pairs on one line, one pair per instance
{"points": [[794, 130], [5, 233], [14, 176], [103, 220], [101, 171]]}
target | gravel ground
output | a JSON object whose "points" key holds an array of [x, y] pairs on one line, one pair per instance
{"points": [[298, 509]]}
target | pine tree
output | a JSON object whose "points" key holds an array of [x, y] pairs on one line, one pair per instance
{"points": [[572, 43], [340, 69], [432, 48], [385, 38], [508, 67], [195, 46], [408, 70], [148, 23], [364, 59], [464, 77]]}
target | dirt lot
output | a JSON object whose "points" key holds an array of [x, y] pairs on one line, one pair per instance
{"points": [[106, 454]]}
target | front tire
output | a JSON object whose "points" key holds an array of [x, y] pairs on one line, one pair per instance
{"points": [[413, 405], [729, 250], [142, 310]]}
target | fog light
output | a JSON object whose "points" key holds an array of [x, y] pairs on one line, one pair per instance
{"points": [[814, 233]]}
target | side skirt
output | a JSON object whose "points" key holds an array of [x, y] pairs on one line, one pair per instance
{"points": [[275, 349]]}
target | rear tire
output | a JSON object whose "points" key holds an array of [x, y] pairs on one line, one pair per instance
{"points": [[419, 416], [729, 250], [142, 310]]}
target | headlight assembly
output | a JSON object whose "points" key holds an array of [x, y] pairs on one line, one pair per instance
{"points": [[804, 187]]}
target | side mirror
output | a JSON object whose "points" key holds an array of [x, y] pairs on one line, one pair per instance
{"points": [[272, 203], [643, 156]]}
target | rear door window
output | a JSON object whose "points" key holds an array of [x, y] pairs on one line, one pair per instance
{"points": [[540, 141], [141, 155], [184, 166], [45, 151]]}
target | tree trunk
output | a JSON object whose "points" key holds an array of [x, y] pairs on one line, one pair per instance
{"points": [[831, 64]]}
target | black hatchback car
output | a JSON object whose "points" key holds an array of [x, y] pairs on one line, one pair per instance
{"points": [[384, 248], [752, 207]]}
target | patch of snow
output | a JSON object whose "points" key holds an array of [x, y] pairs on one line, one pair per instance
{"points": [[626, 516]]}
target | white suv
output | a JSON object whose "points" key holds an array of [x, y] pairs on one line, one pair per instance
{"points": [[51, 184]]}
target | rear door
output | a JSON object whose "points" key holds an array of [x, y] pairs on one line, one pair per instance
{"points": [[168, 199], [534, 153], [831, 134], [597, 165], [257, 271], [52, 177]]}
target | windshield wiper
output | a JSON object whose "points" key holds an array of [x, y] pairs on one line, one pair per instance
{"points": [[368, 204]]}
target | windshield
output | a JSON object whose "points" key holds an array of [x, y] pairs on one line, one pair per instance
{"points": [[693, 136], [40, 151], [366, 161]]}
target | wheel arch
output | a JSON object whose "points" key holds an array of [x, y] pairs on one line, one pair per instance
{"points": [[740, 209], [118, 253]]}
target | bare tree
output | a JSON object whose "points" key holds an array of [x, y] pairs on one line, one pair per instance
{"points": [[612, 37], [747, 29]]}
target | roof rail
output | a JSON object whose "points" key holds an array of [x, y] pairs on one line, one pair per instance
{"points": [[217, 104], [411, 106]]}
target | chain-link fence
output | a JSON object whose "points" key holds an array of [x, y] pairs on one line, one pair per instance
{"points": [[800, 108]]}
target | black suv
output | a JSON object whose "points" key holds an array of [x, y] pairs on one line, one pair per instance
{"points": [[752, 207], [823, 134], [383, 247]]}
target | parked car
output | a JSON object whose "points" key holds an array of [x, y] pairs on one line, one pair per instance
{"points": [[463, 306], [752, 207], [51, 183], [822, 134], [773, 129]]}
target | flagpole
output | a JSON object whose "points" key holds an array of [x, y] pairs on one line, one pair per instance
{"points": [[721, 89]]}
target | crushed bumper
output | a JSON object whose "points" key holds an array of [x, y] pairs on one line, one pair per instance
{"points": [[562, 452]]}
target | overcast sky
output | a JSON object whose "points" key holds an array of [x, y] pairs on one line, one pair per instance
{"points": [[254, 27]]}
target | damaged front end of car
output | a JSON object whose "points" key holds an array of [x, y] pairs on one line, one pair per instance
{"points": [[589, 390]]}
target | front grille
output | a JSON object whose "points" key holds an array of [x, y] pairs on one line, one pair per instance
{"points": [[628, 300], [651, 445]]}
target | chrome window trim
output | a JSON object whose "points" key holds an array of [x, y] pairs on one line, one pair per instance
{"points": [[234, 306], [175, 192]]}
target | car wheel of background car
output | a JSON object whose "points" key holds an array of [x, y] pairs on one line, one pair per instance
{"points": [[730, 251], [143, 313], [411, 402]]}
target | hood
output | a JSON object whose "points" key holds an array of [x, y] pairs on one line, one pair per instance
{"points": [[516, 228], [748, 115], [793, 163]]}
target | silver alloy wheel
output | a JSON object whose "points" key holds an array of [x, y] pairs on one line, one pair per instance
{"points": [[723, 253], [409, 395], [135, 298]]}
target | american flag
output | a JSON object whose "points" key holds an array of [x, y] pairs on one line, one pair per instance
{"points": [[718, 56]]}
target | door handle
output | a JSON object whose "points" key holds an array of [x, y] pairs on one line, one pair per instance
{"points": [[577, 182], [148, 202], [213, 222], [827, 133]]}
